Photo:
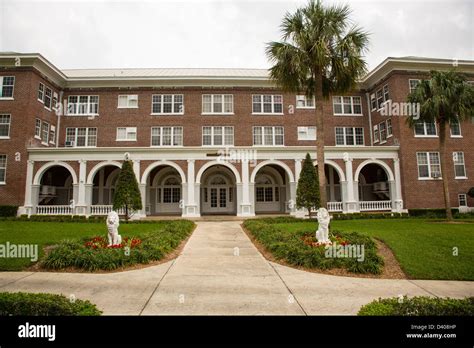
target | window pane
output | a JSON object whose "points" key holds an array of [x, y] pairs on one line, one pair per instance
{"points": [[430, 129], [268, 136], [257, 136], [178, 136]]}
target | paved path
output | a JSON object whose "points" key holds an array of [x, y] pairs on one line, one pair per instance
{"points": [[221, 272]]}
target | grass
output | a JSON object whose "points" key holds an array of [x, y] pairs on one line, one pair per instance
{"points": [[51, 233], [424, 248]]}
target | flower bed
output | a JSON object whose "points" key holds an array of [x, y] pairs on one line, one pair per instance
{"points": [[99, 242]]}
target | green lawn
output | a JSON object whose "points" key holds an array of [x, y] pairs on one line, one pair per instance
{"points": [[48, 233], [424, 248]]}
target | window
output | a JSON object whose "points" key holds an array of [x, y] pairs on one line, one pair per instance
{"points": [[373, 102], [386, 95], [45, 132], [127, 101], [455, 128], [3, 168], [5, 126], [376, 134], [349, 136], [6, 86], [38, 128], [459, 165], [389, 128], [48, 94], [425, 129], [379, 99], [217, 104], [52, 134], [41, 92], [167, 136], [413, 84], [267, 104], [81, 137], [217, 136], [126, 133], [303, 102], [55, 101], [347, 105], [428, 165], [306, 133], [382, 132], [268, 136], [83, 105], [167, 104], [462, 198]]}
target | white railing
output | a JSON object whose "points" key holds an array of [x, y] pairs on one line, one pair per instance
{"points": [[334, 206], [54, 210], [104, 210], [375, 205]]}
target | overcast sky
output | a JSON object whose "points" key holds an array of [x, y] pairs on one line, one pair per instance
{"points": [[229, 33]]}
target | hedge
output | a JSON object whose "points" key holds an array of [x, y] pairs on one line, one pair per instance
{"points": [[24, 303], [8, 210], [418, 306]]}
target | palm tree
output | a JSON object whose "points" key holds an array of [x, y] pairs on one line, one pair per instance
{"points": [[321, 53], [444, 99]]}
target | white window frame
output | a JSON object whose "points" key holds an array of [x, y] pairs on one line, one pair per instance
{"points": [[173, 134], [41, 89], [45, 131], [410, 88], [376, 134], [222, 103], [354, 136], [128, 131], [79, 105], [425, 132], [389, 128], [87, 135], [48, 93], [462, 196], [129, 98], [429, 164], [341, 102], [305, 130], [373, 101], [383, 130], [38, 129], [213, 144], [459, 160], [261, 96], [4, 169], [52, 134], [304, 99], [162, 102], [273, 144], [451, 131], [2, 79], [9, 123]]}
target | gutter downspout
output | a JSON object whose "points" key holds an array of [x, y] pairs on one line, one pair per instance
{"points": [[59, 112], [370, 119]]}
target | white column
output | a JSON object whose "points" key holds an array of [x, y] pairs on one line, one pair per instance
{"points": [[27, 209], [351, 204], [246, 203], [397, 201], [331, 184], [297, 168], [101, 186], [81, 193], [190, 206]]}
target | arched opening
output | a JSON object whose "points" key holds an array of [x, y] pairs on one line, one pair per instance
{"points": [[103, 185], [218, 191], [270, 190], [333, 187], [164, 191], [374, 188], [56, 188]]}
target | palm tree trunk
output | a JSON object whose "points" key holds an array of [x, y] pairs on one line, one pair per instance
{"points": [[318, 96], [444, 173]]}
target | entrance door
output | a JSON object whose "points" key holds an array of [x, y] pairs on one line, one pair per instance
{"points": [[218, 196]]}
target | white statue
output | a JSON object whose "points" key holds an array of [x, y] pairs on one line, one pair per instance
{"points": [[322, 234], [112, 225]]}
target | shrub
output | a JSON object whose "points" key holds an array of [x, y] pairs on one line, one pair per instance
{"points": [[430, 213], [153, 246], [23, 303], [298, 248], [418, 306], [8, 210]]}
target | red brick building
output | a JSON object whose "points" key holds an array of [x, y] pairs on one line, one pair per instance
{"points": [[217, 141]]}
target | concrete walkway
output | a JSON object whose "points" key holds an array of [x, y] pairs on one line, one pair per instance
{"points": [[221, 272]]}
